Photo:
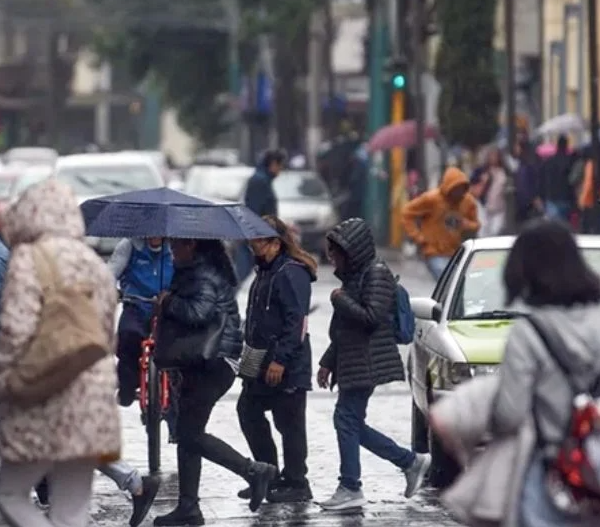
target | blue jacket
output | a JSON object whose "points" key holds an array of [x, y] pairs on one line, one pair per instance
{"points": [[260, 197], [4, 257], [276, 318], [141, 271]]}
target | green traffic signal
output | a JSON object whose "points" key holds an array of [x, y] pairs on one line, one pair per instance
{"points": [[399, 81]]}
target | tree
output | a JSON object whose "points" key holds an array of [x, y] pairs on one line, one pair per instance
{"points": [[188, 54], [470, 98]]}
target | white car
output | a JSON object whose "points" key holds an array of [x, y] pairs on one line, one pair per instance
{"points": [[94, 175], [303, 199], [31, 155], [460, 333]]}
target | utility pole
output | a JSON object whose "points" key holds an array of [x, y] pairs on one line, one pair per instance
{"points": [[418, 23], [315, 71], [509, 29], [331, 88], [593, 66], [102, 111], [233, 13], [376, 202], [51, 126]]}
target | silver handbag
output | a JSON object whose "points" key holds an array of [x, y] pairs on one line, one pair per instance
{"points": [[251, 362]]}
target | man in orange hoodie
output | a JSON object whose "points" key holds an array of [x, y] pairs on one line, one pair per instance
{"points": [[439, 220]]}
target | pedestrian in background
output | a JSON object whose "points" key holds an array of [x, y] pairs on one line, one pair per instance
{"points": [[65, 437], [439, 220], [527, 176], [555, 187], [363, 354], [260, 198], [201, 292], [276, 331], [493, 196]]}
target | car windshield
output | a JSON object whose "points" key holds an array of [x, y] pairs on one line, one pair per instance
{"points": [[300, 185], [27, 180], [100, 180], [480, 292], [6, 184], [218, 184]]}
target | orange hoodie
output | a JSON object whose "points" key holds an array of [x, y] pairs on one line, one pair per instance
{"points": [[424, 218], [586, 194]]}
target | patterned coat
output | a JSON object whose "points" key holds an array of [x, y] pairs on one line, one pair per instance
{"points": [[82, 422]]}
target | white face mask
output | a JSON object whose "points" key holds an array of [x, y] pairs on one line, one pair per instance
{"points": [[155, 249]]}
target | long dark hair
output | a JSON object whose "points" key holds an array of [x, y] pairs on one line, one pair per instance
{"points": [[290, 245], [546, 267], [214, 252]]}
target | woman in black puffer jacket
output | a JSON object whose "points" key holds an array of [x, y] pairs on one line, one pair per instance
{"points": [[202, 290]]}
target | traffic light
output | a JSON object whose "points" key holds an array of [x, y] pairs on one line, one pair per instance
{"points": [[398, 81]]}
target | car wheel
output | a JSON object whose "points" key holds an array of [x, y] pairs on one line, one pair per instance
{"points": [[444, 468], [418, 435]]}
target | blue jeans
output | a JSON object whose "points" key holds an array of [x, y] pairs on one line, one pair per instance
{"points": [[436, 265], [352, 433], [537, 509], [558, 210]]}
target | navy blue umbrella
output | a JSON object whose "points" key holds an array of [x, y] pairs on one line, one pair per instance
{"points": [[166, 213]]}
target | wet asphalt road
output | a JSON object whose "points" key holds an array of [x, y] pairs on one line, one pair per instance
{"points": [[389, 412]]}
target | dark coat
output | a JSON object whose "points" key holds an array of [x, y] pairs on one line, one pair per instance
{"points": [[260, 196], [276, 318], [363, 352], [202, 289]]}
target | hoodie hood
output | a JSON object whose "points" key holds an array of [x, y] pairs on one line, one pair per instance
{"points": [[48, 208], [576, 331], [355, 238], [453, 177]]}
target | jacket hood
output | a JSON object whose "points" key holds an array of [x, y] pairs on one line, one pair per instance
{"points": [[219, 259], [355, 238], [48, 208], [453, 177], [576, 331]]}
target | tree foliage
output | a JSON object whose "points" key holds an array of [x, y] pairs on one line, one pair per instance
{"points": [[189, 59], [470, 98]]}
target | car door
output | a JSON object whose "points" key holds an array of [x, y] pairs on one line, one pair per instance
{"points": [[424, 351]]}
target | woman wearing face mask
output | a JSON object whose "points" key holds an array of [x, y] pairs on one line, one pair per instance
{"points": [[202, 290], [276, 330]]}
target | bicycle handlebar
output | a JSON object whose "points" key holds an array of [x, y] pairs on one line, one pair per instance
{"points": [[136, 298]]}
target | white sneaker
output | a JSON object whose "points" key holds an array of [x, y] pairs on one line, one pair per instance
{"points": [[416, 474], [343, 499]]}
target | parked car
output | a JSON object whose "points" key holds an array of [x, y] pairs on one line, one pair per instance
{"points": [[8, 176], [31, 176], [304, 201], [461, 332], [31, 155], [94, 175]]}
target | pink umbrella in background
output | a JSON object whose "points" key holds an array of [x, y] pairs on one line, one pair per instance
{"points": [[403, 135], [546, 150]]}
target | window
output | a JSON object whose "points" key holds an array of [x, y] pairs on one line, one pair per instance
{"points": [[99, 180], [440, 293], [292, 185]]}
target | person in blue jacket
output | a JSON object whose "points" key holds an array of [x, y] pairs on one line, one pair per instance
{"points": [[143, 268], [277, 321], [260, 198], [4, 257]]}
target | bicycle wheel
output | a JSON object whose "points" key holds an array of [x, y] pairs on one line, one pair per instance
{"points": [[153, 418]]}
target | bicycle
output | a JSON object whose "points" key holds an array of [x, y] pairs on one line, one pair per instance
{"points": [[154, 390]]}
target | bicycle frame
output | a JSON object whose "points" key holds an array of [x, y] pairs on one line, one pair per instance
{"points": [[148, 346]]}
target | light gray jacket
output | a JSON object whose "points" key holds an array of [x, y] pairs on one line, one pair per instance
{"points": [[528, 379]]}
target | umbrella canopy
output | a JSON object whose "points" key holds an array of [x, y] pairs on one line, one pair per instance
{"points": [[166, 213], [403, 135], [567, 123]]}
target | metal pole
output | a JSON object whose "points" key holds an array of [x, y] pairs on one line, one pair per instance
{"points": [[593, 66], [103, 111], [51, 122], [313, 91], [509, 21], [331, 87], [542, 46], [417, 44], [397, 163]]}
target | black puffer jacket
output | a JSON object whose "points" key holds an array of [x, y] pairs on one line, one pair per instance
{"points": [[202, 289], [363, 351]]}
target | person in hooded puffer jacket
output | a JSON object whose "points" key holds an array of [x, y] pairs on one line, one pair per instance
{"points": [[66, 437], [363, 354]]}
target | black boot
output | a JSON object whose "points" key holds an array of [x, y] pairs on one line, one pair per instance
{"points": [[246, 494], [187, 511], [143, 502], [259, 476], [290, 492]]}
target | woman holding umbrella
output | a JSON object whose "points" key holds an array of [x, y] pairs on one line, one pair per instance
{"points": [[203, 291]]}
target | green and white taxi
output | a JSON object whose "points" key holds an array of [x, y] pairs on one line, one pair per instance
{"points": [[461, 331]]}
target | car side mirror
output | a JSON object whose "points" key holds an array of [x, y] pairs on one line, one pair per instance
{"points": [[426, 308]]}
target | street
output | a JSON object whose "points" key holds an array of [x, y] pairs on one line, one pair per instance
{"points": [[383, 483]]}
